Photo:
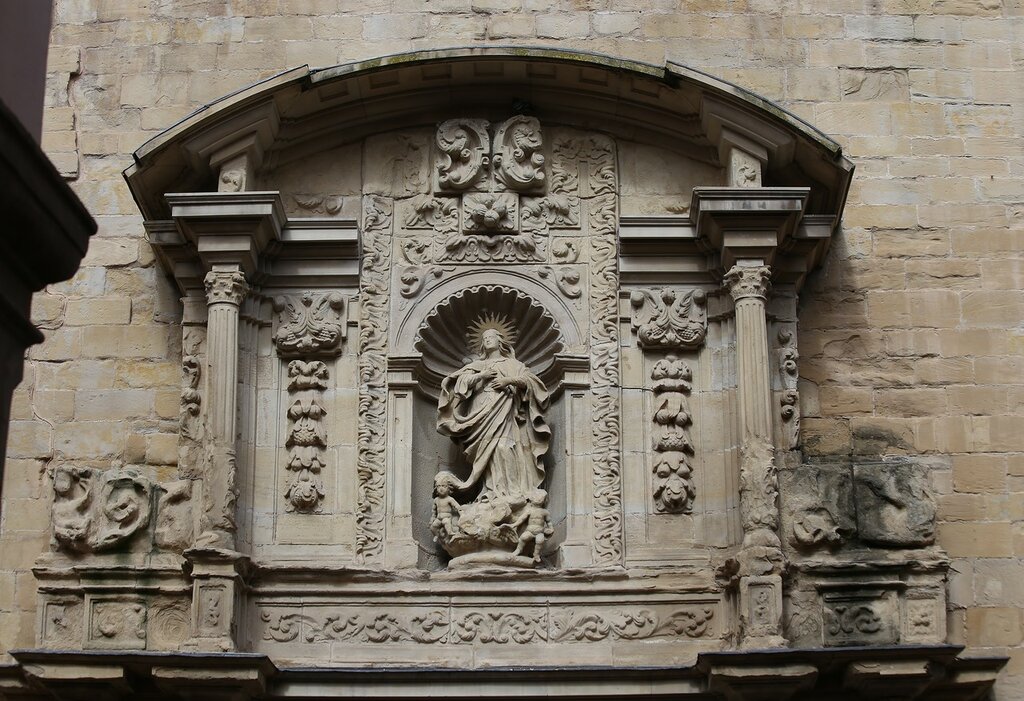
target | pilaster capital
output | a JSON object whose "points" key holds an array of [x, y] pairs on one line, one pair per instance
{"points": [[225, 286], [746, 281]]}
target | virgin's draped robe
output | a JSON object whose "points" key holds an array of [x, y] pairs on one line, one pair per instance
{"points": [[502, 432]]}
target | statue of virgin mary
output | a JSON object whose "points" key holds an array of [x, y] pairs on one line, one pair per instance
{"points": [[493, 409]]}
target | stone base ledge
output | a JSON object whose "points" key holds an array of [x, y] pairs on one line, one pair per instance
{"points": [[933, 672]]}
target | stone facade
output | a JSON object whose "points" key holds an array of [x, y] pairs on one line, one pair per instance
{"points": [[889, 392]]}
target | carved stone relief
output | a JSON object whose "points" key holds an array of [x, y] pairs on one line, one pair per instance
{"points": [[116, 624], [493, 408], [174, 527], [307, 437], [191, 427], [895, 507], [374, 287], [464, 147], [61, 625], [309, 325], [457, 625], [94, 510], [669, 319], [673, 490], [789, 398], [860, 617]]}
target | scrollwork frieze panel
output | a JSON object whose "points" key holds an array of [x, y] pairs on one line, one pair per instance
{"points": [[460, 625]]}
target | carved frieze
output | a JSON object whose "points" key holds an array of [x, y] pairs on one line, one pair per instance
{"points": [[95, 510], [673, 488], [309, 325], [307, 437], [457, 625], [669, 319]]}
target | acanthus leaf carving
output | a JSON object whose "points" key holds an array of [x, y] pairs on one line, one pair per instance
{"points": [[673, 488], [414, 278], [556, 210], [464, 147], [748, 281], [566, 250], [307, 437], [669, 319], [94, 510], [309, 325], [225, 287], [429, 212], [319, 204]]}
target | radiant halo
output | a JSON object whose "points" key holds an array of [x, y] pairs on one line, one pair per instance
{"points": [[488, 320]]}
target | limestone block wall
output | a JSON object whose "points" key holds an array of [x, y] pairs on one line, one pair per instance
{"points": [[910, 338]]}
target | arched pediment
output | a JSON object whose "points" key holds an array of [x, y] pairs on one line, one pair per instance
{"points": [[304, 111]]}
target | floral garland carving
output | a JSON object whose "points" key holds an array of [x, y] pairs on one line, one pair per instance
{"points": [[307, 438], [374, 282], [673, 482]]}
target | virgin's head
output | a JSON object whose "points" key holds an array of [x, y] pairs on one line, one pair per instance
{"points": [[492, 340]]}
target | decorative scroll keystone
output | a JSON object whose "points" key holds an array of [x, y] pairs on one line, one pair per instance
{"points": [[670, 319], [309, 325]]}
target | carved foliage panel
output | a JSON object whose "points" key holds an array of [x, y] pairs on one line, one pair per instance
{"points": [[452, 624]]}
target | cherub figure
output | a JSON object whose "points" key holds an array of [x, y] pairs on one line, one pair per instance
{"points": [[535, 516], [446, 509]]}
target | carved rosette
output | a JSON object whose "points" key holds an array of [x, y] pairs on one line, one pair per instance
{"points": [[225, 287], [309, 325], [307, 437], [669, 319], [374, 290], [673, 488]]}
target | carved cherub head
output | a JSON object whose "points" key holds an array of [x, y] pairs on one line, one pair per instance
{"points": [[444, 484]]}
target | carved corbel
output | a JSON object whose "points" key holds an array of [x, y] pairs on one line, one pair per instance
{"points": [[309, 325], [670, 319]]}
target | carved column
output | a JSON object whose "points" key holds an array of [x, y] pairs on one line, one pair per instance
{"points": [[761, 553], [216, 578]]}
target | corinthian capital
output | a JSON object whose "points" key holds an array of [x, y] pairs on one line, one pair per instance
{"points": [[226, 286], [748, 281]]}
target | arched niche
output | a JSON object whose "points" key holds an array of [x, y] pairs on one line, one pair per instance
{"points": [[432, 340]]}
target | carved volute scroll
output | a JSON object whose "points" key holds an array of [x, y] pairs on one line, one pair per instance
{"points": [[464, 147], [518, 161]]}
